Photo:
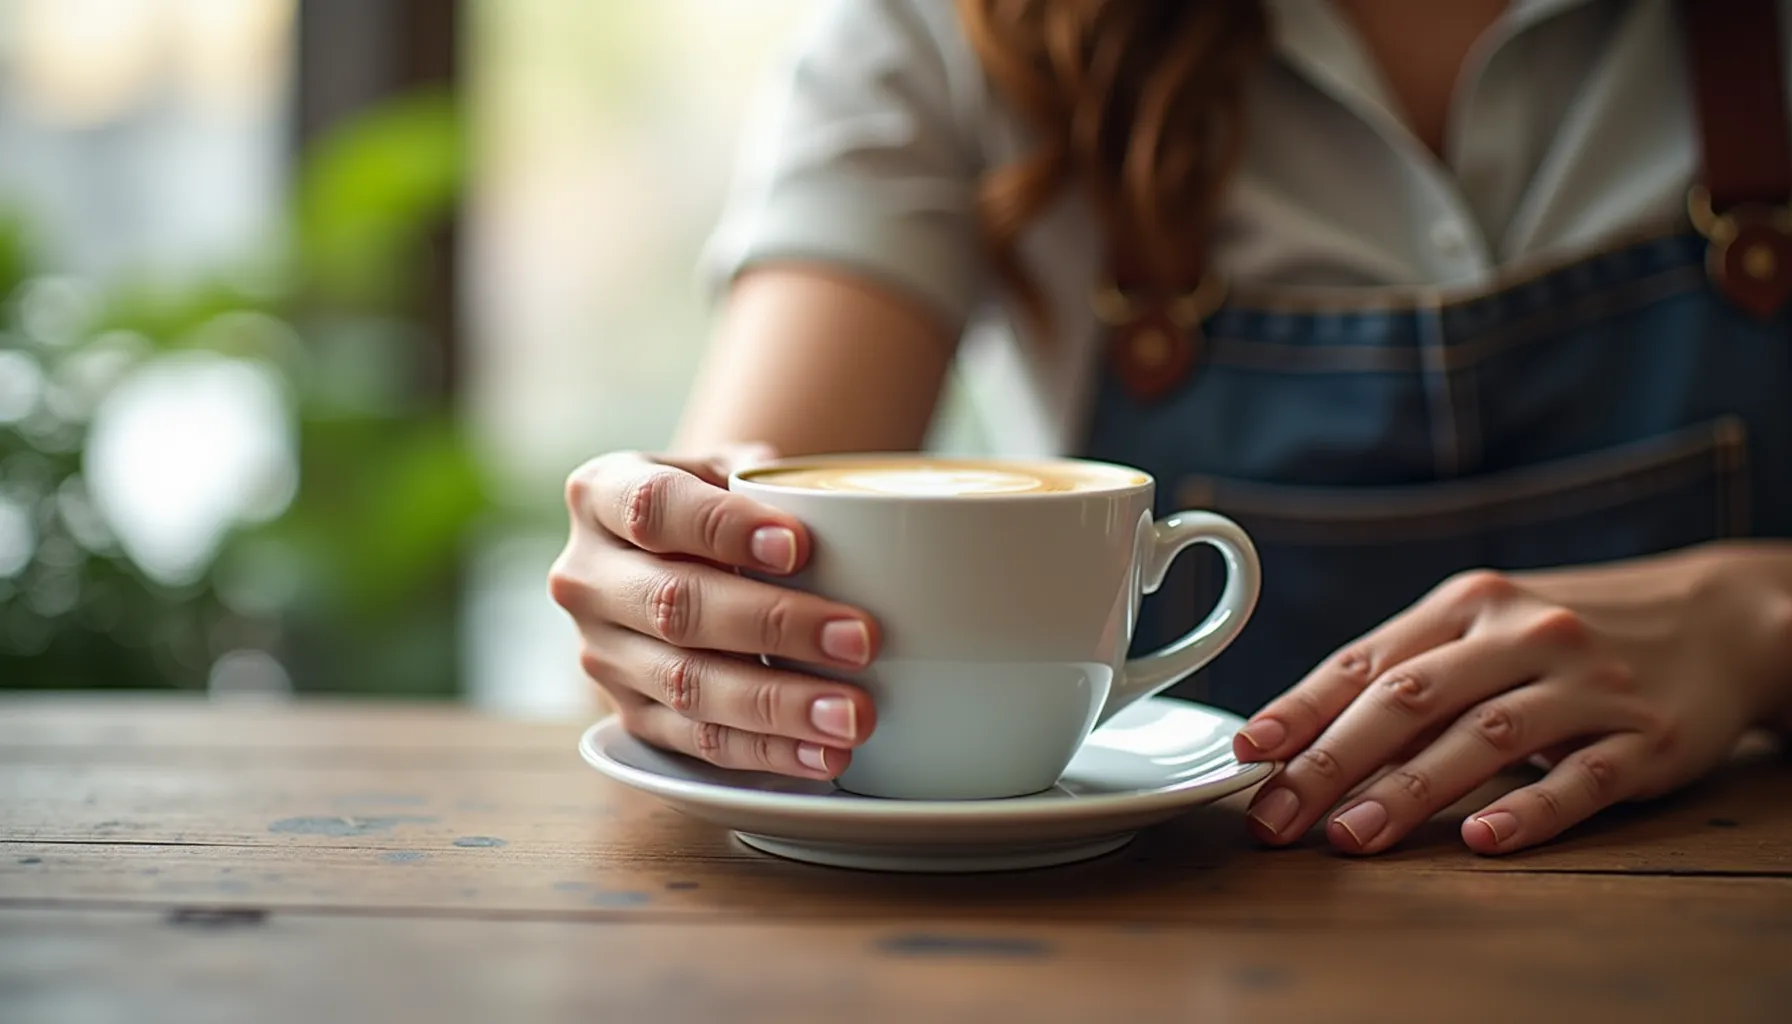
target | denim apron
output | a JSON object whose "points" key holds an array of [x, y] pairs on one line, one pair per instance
{"points": [[1612, 408]]}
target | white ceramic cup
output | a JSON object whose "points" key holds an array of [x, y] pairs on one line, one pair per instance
{"points": [[1005, 619]]}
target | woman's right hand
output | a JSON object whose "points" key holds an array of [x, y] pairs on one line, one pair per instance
{"points": [[674, 635]]}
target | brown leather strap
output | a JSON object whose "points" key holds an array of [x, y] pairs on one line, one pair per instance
{"points": [[1739, 87], [1154, 335]]}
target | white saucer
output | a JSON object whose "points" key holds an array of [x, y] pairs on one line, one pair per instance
{"points": [[1153, 761]]}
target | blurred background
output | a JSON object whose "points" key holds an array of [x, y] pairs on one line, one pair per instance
{"points": [[308, 306]]}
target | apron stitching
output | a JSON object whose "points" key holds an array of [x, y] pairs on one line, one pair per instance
{"points": [[1277, 357], [1584, 309], [1691, 446], [1469, 522], [1281, 357], [1434, 355]]}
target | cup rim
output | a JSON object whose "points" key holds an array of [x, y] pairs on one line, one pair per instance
{"points": [[746, 476]]}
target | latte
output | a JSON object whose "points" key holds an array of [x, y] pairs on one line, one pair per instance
{"points": [[926, 477]]}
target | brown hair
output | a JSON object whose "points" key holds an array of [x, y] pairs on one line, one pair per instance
{"points": [[1139, 103]]}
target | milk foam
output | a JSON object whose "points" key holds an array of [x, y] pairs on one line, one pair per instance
{"points": [[922, 482], [947, 478]]}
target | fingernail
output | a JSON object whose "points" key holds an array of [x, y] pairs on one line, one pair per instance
{"points": [[1503, 825], [1266, 734], [774, 547], [1364, 821], [846, 640], [835, 716], [1276, 810], [813, 757]]}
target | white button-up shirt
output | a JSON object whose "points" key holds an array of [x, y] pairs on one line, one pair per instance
{"points": [[1572, 129]]}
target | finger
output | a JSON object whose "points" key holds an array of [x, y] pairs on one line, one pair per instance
{"points": [[694, 605], [1586, 781], [1494, 735], [1291, 721], [670, 509], [732, 748], [1552, 755], [1416, 696], [735, 692]]}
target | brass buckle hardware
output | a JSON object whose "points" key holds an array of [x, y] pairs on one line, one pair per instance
{"points": [[1117, 309], [1153, 344], [1749, 258]]}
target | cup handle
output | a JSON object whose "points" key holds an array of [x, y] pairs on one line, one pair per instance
{"points": [[1153, 673]]}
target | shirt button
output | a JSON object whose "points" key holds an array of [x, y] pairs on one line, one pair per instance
{"points": [[1450, 238]]}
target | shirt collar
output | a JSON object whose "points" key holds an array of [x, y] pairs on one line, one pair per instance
{"points": [[1315, 39]]}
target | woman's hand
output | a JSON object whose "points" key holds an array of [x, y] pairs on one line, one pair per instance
{"points": [[1625, 680], [673, 634]]}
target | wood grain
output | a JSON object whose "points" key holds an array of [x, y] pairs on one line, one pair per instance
{"points": [[158, 728], [720, 883], [195, 966], [169, 860], [1736, 822]]}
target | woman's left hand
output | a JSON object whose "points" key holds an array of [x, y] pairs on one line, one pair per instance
{"points": [[1627, 680]]}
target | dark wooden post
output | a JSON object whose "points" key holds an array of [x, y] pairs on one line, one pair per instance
{"points": [[352, 53]]}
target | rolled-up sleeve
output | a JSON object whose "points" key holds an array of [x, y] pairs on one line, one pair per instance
{"points": [[857, 157]]}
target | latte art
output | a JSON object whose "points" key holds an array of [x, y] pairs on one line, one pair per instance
{"points": [[947, 478]]}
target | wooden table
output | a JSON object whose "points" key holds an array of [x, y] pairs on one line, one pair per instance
{"points": [[167, 860]]}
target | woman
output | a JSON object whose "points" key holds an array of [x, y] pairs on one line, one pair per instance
{"points": [[1407, 288]]}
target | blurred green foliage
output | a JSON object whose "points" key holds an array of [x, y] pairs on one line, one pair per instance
{"points": [[371, 192], [354, 586], [13, 250]]}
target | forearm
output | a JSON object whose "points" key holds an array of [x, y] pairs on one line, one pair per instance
{"points": [[812, 360]]}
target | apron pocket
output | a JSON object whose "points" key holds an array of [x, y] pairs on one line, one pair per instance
{"points": [[1337, 561]]}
